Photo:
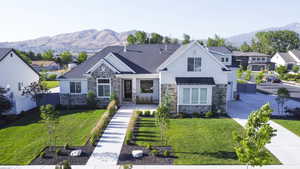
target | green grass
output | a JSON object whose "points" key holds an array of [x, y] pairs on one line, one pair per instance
{"points": [[196, 141], [292, 125], [51, 84], [24, 139]]}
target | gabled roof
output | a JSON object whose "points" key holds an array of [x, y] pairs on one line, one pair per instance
{"points": [[219, 49], [296, 53], [144, 58], [195, 80], [286, 57], [249, 54], [4, 52]]}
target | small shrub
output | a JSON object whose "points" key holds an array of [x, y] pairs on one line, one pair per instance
{"points": [[130, 129], [63, 165], [114, 97], [58, 151], [248, 75], [147, 113], [196, 114], [154, 152], [149, 146], [43, 154], [209, 114], [153, 113], [112, 107], [66, 147], [166, 153], [52, 77], [91, 98], [128, 137]]}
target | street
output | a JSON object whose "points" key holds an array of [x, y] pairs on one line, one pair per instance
{"points": [[271, 88]]}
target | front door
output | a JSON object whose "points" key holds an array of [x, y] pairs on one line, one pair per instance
{"points": [[128, 89]]}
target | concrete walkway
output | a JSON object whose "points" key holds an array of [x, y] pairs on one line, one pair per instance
{"points": [[286, 145], [109, 147]]}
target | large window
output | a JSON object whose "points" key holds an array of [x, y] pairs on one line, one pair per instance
{"points": [[193, 96], [75, 87], [194, 64], [103, 87], [146, 86]]}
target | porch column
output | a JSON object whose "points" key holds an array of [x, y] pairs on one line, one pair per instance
{"points": [[134, 90]]}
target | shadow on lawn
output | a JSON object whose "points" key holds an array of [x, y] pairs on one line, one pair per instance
{"points": [[218, 154]]}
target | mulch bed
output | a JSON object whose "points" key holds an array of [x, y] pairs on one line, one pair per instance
{"points": [[148, 159], [52, 159]]}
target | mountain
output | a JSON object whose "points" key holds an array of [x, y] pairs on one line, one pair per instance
{"points": [[238, 40], [87, 40]]}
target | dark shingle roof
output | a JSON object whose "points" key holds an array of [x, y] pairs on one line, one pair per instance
{"points": [[195, 80], [219, 49], [249, 54], [4, 52], [287, 57], [143, 58]]}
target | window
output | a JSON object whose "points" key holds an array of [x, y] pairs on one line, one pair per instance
{"points": [[193, 96], [75, 87], [103, 87], [194, 64], [146, 86], [258, 59], [254, 59], [222, 59], [263, 59], [227, 59]]}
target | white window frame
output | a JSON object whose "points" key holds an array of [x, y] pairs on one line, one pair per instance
{"points": [[106, 84], [75, 87], [199, 87], [194, 64]]}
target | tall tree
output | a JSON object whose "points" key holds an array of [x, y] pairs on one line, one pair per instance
{"points": [[141, 37], [131, 39], [66, 57], [216, 41], [81, 57], [5, 103], [186, 39], [250, 145], [156, 38], [245, 47], [48, 55]]}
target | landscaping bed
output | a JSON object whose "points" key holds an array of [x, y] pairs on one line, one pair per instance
{"points": [[51, 157]]}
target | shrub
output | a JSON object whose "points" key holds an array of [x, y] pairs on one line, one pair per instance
{"points": [[241, 81], [91, 98], [112, 107], [114, 97], [66, 147], [196, 114], [239, 73], [248, 75], [153, 113], [99, 128], [43, 154], [93, 139], [149, 146], [130, 129], [166, 153], [154, 152], [209, 114], [63, 165], [58, 151], [52, 77], [259, 78], [147, 113]]}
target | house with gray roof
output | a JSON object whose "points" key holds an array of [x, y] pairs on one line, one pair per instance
{"points": [[288, 59], [254, 61], [191, 75]]}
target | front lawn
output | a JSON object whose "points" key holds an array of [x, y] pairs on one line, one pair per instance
{"points": [[292, 125], [51, 84], [195, 140], [23, 140]]}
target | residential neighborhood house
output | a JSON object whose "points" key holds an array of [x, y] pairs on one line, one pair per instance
{"points": [[40, 65], [253, 61], [193, 77], [288, 59], [15, 74]]}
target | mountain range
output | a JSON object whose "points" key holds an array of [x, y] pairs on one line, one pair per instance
{"points": [[93, 40]]}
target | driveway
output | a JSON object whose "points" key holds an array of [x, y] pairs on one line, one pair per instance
{"points": [[273, 87], [286, 145]]}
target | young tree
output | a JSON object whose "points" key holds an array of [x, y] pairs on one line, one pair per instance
{"points": [[5, 103], [281, 70], [66, 57], [186, 39], [282, 96], [295, 69], [81, 57], [35, 90], [50, 118], [131, 39], [259, 77], [250, 145], [245, 47], [141, 37], [48, 55]]}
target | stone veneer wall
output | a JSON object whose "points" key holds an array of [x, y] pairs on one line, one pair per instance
{"points": [[194, 108], [170, 89], [73, 99], [219, 97]]}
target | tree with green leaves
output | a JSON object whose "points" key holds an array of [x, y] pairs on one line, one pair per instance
{"points": [[50, 118], [156, 38], [5, 103], [259, 77], [48, 55], [66, 57], [141, 37], [82, 57], [131, 39], [216, 41], [281, 70], [91, 99], [248, 75], [245, 47], [36, 90], [167, 40], [239, 73], [295, 69], [24, 56], [250, 144], [186, 39], [282, 96]]}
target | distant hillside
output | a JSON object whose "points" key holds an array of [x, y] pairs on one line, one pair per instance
{"points": [[87, 40], [237, 40]]}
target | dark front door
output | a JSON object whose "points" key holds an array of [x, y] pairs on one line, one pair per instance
{"points": [[128, 89]]}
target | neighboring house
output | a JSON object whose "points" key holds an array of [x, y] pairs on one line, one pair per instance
{"points": [[15, 74], [288, 59], [193, 78], [252, 60], [40, 65], [223, 54]]}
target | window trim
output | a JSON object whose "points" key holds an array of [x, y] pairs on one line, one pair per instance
{"points": [[180, 95], [107, 84], [141, 86], [75, 87], [194, 64]]}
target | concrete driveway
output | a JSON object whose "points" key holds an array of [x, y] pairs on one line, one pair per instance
{"points": [[286, 145]]}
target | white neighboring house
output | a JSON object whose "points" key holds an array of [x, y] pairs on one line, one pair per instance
{"points": [[15, 74], [195, 78], [288, 59]]}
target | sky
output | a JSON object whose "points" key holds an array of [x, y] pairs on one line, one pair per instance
{"points": [[28, 19]]}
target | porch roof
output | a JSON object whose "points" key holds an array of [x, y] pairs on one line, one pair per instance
{"points": [[195, 80]]}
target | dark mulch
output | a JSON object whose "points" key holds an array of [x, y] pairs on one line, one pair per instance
{"points": [[52, 159], [148, 159]]}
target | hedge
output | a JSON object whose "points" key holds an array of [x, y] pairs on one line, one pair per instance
{"points": [[130, 130]]}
